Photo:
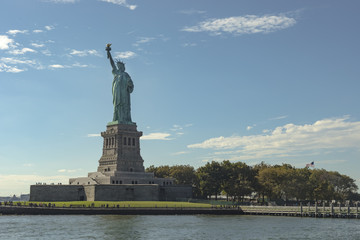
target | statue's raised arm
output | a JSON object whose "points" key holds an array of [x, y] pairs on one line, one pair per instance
{"points": [[108, 49]]}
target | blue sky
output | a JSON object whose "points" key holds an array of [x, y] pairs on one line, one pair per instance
{"points": [[274, 81]]}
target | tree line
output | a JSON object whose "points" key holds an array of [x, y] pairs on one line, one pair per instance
{"points": [[263, 182]]}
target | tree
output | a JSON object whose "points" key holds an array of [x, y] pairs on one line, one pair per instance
{"points": [[210, 178], [321, 186], [183, 174], [276, 181], [238, 179], [258, 187], [300, 182], [159, 172]]}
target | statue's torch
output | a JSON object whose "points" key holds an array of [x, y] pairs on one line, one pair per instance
{"points": [[108, 49]]}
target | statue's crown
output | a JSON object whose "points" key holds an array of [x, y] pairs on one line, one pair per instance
{"points": [[119, 61]]}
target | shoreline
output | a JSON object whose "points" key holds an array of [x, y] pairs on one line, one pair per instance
{"points": [[21, 210], [279, 211]]}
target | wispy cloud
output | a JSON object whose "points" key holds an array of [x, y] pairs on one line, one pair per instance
{"points": [[189, 45], [10, 69], [17, 61], [192, 11], [21, 51], [57, 66], [125, 55], [290, 140], [180, 153], [61, 66], [37, 45], [83, 53], [5, 42], [278, 118], [248, 24], [49, 28], [94, 135], [15, 31], [179, 130], [67, 170], [176, 127], [143, 40], [79, 65], [156, 136], [21, 61], [121, 3], [38, 31], [46, 52]]}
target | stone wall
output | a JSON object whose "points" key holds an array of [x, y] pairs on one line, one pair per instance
{"points": [[127, 192], [175, 192], [108, 192], [58, 193]]}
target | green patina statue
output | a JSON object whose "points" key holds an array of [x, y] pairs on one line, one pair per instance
{"points": [[122, 86]]}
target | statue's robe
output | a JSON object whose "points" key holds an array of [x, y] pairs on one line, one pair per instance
{"points": [[122, 86]]}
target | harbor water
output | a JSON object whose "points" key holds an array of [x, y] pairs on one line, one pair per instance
{"points": [[176, 227]]}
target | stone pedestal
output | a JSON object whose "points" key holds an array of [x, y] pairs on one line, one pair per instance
{"points": [[121, 150], [121, 162]]}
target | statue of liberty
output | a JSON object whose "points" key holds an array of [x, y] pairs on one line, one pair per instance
{"points": [[122, 86]]}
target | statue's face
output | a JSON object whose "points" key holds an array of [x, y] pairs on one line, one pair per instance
{"points": [[121, 66]]}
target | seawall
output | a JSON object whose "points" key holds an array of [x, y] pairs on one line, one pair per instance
{"points": [[15, 210]]}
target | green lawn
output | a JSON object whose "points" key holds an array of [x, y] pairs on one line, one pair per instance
{"points": [[122, 204]]}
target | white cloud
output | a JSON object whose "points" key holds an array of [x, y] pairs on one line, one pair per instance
{"points": [[84, 53], [57, 66], [290, 140], [46, 52], [79, 65], [37, 31], [67, 170], [94, 135], [278, 118], [192, 11], [249, 128], [180, 153], [17, 61], [21, 61], [5, 42], [189, 45], [125, 55], [10, 69], [176, 128], [21, 51], [121, 3], [143, 40], [248, 24], [156, 136], [49, 27], [15, 31], [37, 45]]}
